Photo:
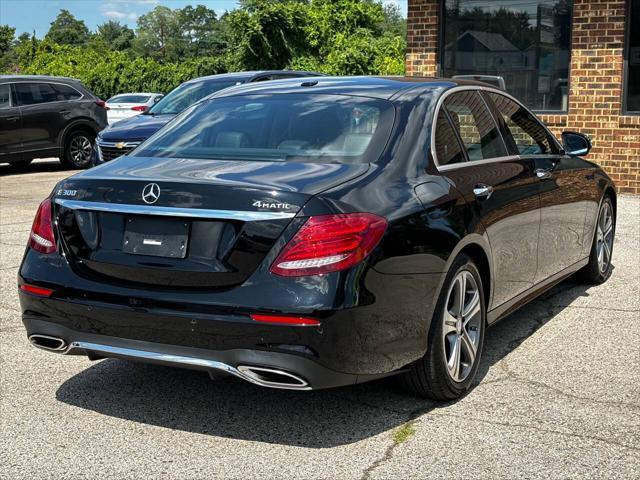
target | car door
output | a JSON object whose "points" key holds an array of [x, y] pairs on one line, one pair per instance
{"points": [[43, 116], [564, 189], [10, 126], [501, 188]]}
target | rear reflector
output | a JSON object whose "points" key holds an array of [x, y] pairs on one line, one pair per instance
{"points": [[41, 238], [329, 243], [40, 291], [285, 320], [139, 108]]}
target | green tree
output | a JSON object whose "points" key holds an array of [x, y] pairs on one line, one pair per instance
{"points": [[159, 35], [6, 38], [114, 35], [6, 46], [266, 34], [67, 30], [200, 31], [393, 22]]}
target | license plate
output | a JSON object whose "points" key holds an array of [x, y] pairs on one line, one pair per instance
{"points": [[156, 237]]}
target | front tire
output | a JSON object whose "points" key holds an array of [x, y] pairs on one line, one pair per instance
{"points": [[599, 268], [78, 149], [456, 337]]}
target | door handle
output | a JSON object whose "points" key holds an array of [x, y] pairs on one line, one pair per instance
{"points": [[541, 173], [482, 191], [13, 119]]}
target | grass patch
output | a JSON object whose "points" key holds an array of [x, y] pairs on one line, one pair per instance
{"points": [[403, 433]]}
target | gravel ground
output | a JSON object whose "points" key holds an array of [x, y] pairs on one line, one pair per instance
{"points": [[558, 396]]}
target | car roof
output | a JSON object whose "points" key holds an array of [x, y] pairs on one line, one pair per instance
{"points": [[250, 74], [368, 86], [42, 78]]}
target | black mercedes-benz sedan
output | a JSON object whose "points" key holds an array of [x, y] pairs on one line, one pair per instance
{"points": [[312, 233]]}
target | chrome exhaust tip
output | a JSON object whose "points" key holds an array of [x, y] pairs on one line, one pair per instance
{"points": [[45, 342], [273, 378]]}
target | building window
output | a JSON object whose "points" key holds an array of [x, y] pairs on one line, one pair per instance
{"points": [[523, 47], [632, 94]]}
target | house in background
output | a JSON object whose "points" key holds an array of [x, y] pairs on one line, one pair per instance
{"points": [[576, 63]]}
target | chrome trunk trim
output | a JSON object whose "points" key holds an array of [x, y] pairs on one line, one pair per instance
{"points": [[242, 215]]}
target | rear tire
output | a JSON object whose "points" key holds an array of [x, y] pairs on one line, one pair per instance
{"points": [[456, 337], [599, 268], [78, 149]]}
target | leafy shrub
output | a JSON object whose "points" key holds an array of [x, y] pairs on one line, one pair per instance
{"points": [[111, 72]]}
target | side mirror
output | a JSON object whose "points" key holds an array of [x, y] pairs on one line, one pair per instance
{"points": [[575, 144]]}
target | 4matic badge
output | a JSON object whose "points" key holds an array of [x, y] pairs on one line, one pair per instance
{"points": [[261, 204]]}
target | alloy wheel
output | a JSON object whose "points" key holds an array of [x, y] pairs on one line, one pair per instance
{"points": [[462, 324], [80, 150], [604, 237]]}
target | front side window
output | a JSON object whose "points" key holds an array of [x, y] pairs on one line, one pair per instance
{"points": [[523, 46], [186, 95], [34, 93], [632, 100], [5, 95], [527, 135], [476, 127], [277, 128]]}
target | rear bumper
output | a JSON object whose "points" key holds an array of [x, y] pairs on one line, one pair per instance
{"points": [[294, 372], [372, 324]]}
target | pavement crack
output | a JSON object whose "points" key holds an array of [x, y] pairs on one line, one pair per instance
{"points": [[601, 309], [537, 384], [388, 452], [541, 430]]}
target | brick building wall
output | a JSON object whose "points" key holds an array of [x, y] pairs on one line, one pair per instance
{"points": [[595, 79]]}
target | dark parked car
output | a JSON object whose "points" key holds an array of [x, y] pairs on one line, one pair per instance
{"points": [[48, 117], [319, 233], [123, 136]]}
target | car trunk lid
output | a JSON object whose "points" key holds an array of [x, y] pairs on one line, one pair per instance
{"points": [[184, 223]]}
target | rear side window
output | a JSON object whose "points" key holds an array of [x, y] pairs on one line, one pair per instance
{"points": [[34, 93], [477, 129], [5, 96], [129, 99], [65, 92], [448, 149], [527, 133]]}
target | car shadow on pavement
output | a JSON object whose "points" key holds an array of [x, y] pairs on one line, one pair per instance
{"points": [[38, 166], [189, 401]]}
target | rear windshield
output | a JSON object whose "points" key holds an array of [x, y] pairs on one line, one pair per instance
{"points": [[187, 94], [285, 127], [129, 99]]}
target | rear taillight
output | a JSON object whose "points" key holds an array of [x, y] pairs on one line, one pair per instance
{"points": [[39, 291], [102, 103], [329, 243], [140, 108], [285, 320], [41, 238]]}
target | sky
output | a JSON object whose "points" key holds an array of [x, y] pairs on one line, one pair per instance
{"points": [[30, 15]]}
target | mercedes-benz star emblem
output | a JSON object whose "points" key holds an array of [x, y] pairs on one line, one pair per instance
{"points": [[151, 193]]}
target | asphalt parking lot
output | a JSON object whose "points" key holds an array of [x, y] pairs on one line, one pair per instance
{"points": [[558, 396]]}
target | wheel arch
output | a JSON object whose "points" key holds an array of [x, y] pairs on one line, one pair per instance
{"points": [[85, 124], [611, 192], [477, 247]]}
